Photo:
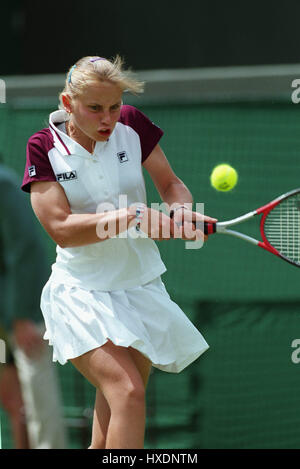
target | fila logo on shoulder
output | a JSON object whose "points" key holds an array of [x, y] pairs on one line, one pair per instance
{"points": [[66, 176], [31, 171], [122, 155]]}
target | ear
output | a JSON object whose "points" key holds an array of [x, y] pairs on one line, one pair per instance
{"points": [[66, 100]]}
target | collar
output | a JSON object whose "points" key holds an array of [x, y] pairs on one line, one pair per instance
{"points": [[65, 144]]}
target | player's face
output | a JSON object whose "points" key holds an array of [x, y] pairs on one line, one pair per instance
{"points": [[96, 112]]}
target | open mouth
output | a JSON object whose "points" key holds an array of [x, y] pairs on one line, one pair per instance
{"points": [[104, 132]]}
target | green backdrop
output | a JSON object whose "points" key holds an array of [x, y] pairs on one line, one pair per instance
{"points": [[243, 392]]}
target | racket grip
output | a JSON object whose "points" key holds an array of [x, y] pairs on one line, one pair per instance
{"points": [[209, 228]]}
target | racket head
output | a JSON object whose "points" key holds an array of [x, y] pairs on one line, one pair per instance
{"points": [[280, 227]]}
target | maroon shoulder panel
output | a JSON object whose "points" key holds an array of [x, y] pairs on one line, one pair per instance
{"points": [[38, 167], [149, 133]]}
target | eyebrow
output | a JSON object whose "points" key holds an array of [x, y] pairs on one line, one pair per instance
{"points": [[100, 105]]}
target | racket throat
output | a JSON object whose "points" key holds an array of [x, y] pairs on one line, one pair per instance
{"points": [[237, 220], [223, 230]]}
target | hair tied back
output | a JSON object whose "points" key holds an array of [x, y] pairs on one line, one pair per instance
{"points": [[70, 74]]}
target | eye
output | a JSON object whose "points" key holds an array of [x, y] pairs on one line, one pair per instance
{"points": [[115, 107], [94, 107]]}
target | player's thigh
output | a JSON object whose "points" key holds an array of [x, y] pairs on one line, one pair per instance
{"points": [[142, 363], [112, 369]]}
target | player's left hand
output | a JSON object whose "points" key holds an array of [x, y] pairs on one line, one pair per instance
{"points": [[184, 224]]}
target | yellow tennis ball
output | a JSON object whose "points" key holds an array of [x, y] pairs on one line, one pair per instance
{"points": [[223, 177]]}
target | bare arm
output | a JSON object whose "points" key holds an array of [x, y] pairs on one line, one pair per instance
{"points": [[51, 207], [171, 189]]}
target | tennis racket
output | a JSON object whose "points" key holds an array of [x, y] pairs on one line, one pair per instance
{"points": [[279, 227]]}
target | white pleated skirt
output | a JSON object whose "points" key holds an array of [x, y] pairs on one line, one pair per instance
{"points": [[143, 317]]}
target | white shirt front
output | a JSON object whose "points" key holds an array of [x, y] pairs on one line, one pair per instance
{"points": [[114, 169]]}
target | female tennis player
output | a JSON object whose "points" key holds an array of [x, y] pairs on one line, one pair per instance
{"points": [[105, 306]]}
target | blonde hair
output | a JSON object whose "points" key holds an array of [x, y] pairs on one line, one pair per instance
{"points": [[90, 69]]}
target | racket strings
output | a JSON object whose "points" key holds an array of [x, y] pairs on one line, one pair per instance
{"points": [[282, 228]]}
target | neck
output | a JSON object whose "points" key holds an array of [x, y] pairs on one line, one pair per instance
{"points": [[80, 137]]}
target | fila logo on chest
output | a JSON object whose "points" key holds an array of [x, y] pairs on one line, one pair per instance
{"points": [[68, 176], [123, 157]]}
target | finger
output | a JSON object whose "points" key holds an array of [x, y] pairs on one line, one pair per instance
{"points": [[177, 231], [197, 216], [197, 232], [189, 231], [199, 235]]}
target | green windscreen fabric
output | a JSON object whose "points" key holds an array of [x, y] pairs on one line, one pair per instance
{"points": [[243, 392], [262, 141]]}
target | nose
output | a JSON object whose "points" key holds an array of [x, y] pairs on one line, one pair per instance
{"points": [[105, 117]]}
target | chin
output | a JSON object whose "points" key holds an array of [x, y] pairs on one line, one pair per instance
{"points": [[101, 139]]}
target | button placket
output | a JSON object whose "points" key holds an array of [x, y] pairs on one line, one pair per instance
{"points": [[111, 163], [101, 177]]}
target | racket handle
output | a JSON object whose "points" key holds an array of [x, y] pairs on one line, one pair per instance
{"points": [[209, 228]]}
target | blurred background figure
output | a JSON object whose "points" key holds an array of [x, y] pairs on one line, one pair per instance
{"points": [[23, 272], [11, 397]]}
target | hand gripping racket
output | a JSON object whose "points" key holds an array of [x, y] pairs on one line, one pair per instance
{"points": [[279, 227]]}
